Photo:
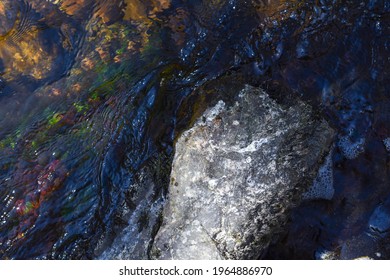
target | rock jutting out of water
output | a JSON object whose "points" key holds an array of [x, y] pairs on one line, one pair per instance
{"points": [[235, 176]]}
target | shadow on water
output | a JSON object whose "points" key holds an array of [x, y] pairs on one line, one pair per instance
{"points": [[93, 94]]}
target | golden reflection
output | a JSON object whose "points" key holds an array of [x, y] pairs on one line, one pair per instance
{"points": [[73, 7], [7, 17], [143, 10], [20, 50]]}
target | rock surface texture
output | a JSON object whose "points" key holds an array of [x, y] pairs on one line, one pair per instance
{"points": [[236, 174]]}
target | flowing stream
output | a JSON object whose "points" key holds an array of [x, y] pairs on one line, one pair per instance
{"points": [[93, 93]]}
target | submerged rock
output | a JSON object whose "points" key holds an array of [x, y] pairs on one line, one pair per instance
{"points": [[322, 187], [235, 176], [141, 215]]}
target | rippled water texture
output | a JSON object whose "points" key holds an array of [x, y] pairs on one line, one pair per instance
{"points": [[92, 96]]}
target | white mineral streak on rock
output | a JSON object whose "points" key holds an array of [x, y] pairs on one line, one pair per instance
{"points": [[235, 176]]}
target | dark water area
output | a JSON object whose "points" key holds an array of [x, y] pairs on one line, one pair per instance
{"points": [[93, 93]]}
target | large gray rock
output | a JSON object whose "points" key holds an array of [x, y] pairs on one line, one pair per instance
{"points": [[236, 175]]}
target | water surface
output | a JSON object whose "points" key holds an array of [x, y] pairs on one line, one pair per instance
{"points": [[92, 96]]}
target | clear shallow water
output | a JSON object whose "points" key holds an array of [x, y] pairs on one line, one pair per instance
{"points": [[92, 92]]}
